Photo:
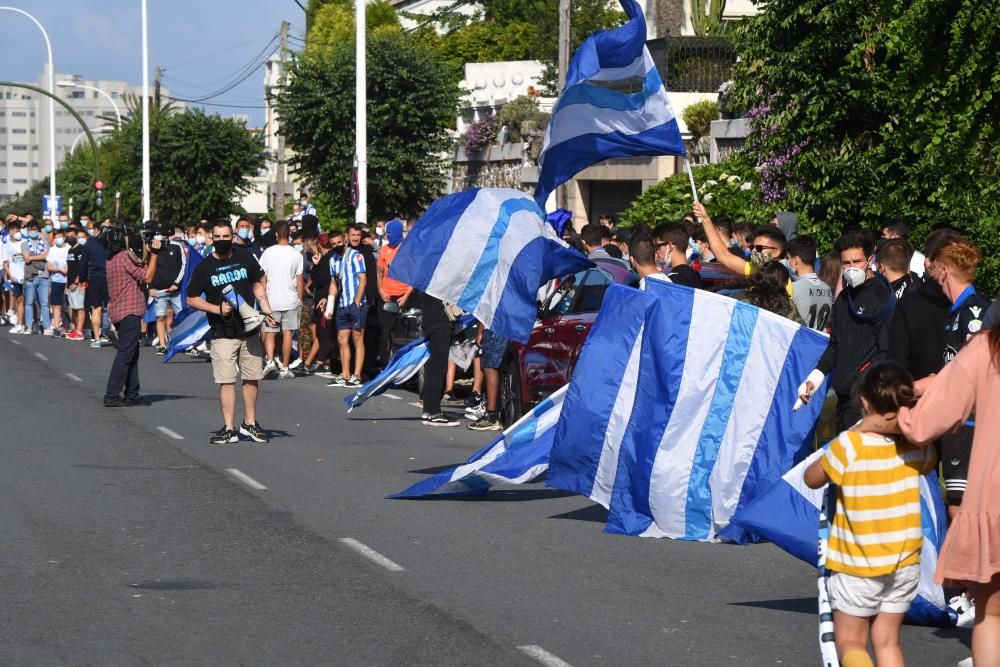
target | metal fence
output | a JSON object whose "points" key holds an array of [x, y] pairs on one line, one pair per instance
{"points": [[693, 64]]}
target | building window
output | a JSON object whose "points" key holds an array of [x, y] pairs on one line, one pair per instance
{"points": [[3, 130], [33, 131], [3, 114], [35, 147], [19, 147], [18, 114], [18, 130], [20, 180], [34, 164], [114, 95], [77, 95], [3, 164], [32, 114], [19, 164], [3, 180]]}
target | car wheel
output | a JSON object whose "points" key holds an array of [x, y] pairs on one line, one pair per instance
{"points": [[510, 402]]}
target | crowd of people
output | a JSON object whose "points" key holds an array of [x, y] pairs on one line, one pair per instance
{"points": [[898, 321]]}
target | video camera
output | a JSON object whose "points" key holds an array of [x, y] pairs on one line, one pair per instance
{"points": [[123, 235]]}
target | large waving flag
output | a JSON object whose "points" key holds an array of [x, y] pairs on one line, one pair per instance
{"points": [[487, 250], [406, 363], [594, 121], [679, 412], [518, 455], [788, 512], [190, 327]]}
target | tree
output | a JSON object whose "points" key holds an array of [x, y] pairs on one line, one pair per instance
{"points": [[412, 103], [707, 20], [29, 201], [863, 112], [334, 23], [200, 167]]}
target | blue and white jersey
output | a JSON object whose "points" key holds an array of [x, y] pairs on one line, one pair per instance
{"points": [[348, 269]]}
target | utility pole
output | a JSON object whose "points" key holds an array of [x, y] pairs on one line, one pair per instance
{"points": [[279, 181], [565, 43], [156, 88], [361, 110]]}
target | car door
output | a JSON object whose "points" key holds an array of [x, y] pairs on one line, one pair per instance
{"points": [[546, 357], [578, 322]]}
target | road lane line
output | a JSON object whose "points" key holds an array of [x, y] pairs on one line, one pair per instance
{"points": [[393, 397], [370, 554], [74, 378], [246, 479], [16, 342], [170, 434], [41, 356], [543, 656]]}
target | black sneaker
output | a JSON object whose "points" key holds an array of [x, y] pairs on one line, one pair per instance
{"points": [[113, 337], [224, 436], [488, 422], [353, 382], [449, 397], [160, 350], [440, 419], [337, 381], [116, 402], [474, 399], [254, 432], [139, 402]]}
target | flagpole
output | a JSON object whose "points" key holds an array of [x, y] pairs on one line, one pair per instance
{"points": [[361, 113], [694, 190]]}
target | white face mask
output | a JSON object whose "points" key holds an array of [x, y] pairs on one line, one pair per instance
{"points": [[854, 276], [379, 231], [298, 247], [16, 236], [200, 239]]}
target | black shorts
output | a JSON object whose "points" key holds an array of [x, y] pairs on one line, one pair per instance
{"points": [[956, 450], [57, 293], [96, 295]]}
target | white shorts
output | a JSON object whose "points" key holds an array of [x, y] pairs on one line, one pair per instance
{"points": [[868, 596]]}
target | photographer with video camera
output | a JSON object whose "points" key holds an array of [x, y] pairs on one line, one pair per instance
{"points": [[230, 279], [127, 278]]}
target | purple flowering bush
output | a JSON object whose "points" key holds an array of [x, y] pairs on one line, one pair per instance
{"points": [[481, 134]]}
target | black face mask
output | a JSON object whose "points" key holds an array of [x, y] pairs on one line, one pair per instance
{"points": [[71, 242], [222, 248]]}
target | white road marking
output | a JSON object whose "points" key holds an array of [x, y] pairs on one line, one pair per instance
{"points": [[16, 342], [41, 356], [543, 656], [371, 554], [74, 378], [170, 434], [393, 397], [246, 479]]}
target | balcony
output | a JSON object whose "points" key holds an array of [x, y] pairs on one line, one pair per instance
{"points": [[693, 64]]}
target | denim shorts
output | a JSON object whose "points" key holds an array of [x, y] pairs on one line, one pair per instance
{"points": [[493, 350], [170, 299], [352, 317]]}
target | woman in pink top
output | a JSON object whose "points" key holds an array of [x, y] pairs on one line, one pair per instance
{"points": [[970, 385]]}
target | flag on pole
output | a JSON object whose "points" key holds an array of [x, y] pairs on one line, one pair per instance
{"points": [[787, 514], [487, 250], [679, 411], [595, 120], [518, 455], [190, 328], [192, 259]]}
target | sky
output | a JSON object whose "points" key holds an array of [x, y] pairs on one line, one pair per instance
{"points": [[202, 45]]}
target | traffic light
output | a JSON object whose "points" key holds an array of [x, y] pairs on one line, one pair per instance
{"points": [[99, 194]]}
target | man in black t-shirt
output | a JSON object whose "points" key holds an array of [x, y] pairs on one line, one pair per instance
{"points": [[234, 350]]}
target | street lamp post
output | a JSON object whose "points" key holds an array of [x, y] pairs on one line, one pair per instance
{"points": [[52, 108], [74, 84], [146, 205], [72, 148]]}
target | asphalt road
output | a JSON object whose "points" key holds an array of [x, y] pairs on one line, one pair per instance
{"points": [[127, 539]]}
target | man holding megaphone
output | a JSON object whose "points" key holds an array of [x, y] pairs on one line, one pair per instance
{"points": [[225, 285]]}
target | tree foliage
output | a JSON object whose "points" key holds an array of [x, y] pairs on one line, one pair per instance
{"points": [[200, 167], [412, 102], [868, 111], [334, 23], [699, 116]]}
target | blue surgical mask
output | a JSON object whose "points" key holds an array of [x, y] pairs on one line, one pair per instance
{"points": [[82, 240], [33, 234], [192, 241], [244, 234], [47, 228]]}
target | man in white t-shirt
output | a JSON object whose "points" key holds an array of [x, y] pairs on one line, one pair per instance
{"points": [[283, 266], [897, 229], [642, 255], [13, 264], [58, 266]]}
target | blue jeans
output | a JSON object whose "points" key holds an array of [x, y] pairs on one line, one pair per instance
{"points": [[36, 289]]}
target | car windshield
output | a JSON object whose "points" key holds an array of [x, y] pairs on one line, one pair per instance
{"points": [[581, 292]]}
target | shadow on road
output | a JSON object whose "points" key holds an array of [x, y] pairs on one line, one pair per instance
{"points": [[963, 635], [594, 513], [157, 398], [797, 605]]}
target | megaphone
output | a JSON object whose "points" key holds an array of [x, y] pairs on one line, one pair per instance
{"points": [[251, 318]]}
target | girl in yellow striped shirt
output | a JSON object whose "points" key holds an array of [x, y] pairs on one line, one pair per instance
{"points": [[875, 535]]}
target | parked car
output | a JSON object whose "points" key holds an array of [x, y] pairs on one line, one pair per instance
{"points": [[534, 371]]}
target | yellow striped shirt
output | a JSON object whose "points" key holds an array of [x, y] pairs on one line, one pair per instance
{"points": [[876, 529]]}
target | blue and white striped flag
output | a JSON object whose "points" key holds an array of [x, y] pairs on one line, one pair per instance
{"points": [[518, 455], [593, 121], [679, 411], [405, 363], [191, 328], [487, 250], [787, 515]]}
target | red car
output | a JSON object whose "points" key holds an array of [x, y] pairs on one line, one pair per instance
{"points": [[534, 371]]}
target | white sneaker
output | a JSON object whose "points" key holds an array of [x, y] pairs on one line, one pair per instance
{"points": [[476, 413], [965, 663], [47, 332], [967, 618], [286, 374], [296, 363], [17, 329], [270, 369]]}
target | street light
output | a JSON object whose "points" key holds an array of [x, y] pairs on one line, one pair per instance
{"points": [[72, 148], [52, 108], [74, 84]]}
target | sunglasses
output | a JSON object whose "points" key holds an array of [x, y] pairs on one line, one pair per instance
{"points": [[762, 248]]}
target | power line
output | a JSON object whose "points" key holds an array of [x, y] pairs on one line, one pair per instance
{"points": [[219, 53], [221, 104], [225, 89]]}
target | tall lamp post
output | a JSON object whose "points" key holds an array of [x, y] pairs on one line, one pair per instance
{"points": [[361, 112], [52, 108], [146, 205], [74, 84], [100, 130]]}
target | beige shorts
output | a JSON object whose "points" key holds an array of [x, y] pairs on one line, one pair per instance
{"points": [[868, 596], [232, 356], [286, 319]]}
